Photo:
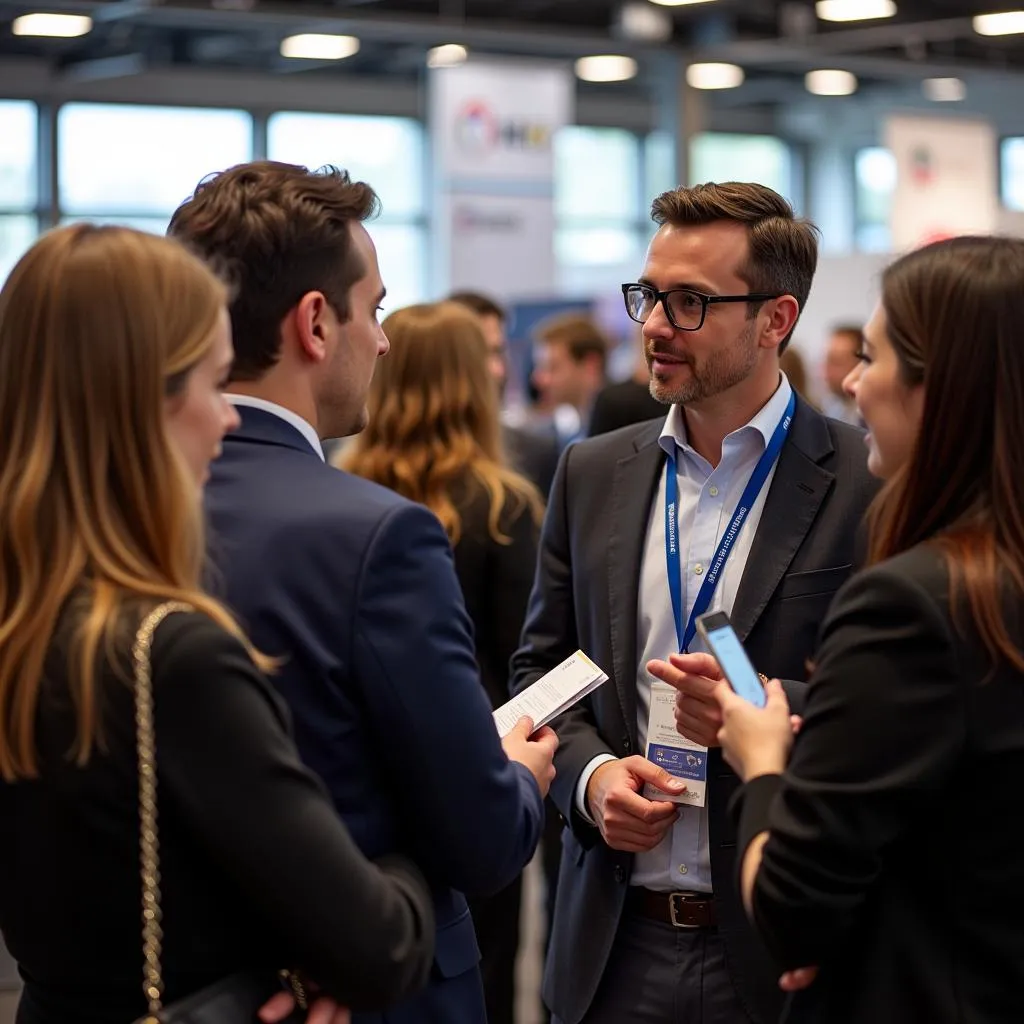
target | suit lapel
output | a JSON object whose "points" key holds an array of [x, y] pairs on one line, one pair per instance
{"points": [[634, 486], [797, 491]]}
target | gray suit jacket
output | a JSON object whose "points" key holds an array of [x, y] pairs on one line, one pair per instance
{"points": [[585, 596]]}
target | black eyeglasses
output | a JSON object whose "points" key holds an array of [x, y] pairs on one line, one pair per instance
{"points": [[685, 308]]}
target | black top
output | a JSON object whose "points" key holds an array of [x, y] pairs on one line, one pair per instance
{"points": [[257, 869], [894, 859], [620, 404], [496, 579], [532, 452]]}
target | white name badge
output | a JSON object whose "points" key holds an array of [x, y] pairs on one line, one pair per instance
{"points": [[667, 749]]}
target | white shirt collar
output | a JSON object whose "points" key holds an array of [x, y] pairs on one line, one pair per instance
{"points": [[304, 427], [764, 421]]}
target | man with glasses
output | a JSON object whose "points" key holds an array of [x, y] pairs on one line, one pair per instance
{"points": [[743, 499]]}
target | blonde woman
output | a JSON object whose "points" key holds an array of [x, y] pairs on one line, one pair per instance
{"points": [[434, 437], [113, 349]]}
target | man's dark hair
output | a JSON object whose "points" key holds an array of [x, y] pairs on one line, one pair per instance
{"points": [[277, 231], [852, 332], [482, 305], [783, 248]]}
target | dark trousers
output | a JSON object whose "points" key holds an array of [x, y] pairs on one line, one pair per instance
{"points": [[497, 931], [658, 974]]}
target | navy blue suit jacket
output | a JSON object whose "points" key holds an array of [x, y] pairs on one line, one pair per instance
{"points": [[354, 589]]}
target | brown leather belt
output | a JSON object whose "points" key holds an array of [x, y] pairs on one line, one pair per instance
{"points": [[679, 909]]}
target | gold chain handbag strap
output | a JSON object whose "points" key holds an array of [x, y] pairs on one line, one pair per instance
{"points": [[149, 838]]}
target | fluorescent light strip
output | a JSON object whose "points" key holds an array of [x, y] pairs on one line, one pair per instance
{"points": [[854, 10], [316, 46], [714, 76], [606, 67], [1005, 23], [830, 82], [54, 26]]}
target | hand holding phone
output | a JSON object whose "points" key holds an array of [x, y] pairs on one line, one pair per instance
{"points": [[721, 640]]}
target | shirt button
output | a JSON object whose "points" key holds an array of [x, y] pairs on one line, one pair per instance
{"points": [[699, 569], [620, 874], [713, 491], [683, 869]]}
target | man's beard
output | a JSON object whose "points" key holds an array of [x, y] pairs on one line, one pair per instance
{"points": [[719, 372]]}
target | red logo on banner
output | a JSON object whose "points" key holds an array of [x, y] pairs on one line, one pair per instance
{"points": [[922, 171]]}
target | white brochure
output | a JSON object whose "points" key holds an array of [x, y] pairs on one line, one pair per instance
{"points": [[668, 749], [553, 693]]}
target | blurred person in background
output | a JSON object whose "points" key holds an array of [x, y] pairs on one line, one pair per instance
{"points": [[114, 347], [879, 848], [840, 361], [626, 401], [349, 584], [533, 453], [571, 356], [433, 436], [792, 364]]}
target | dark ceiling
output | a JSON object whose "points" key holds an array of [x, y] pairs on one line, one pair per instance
{"points": [[777, 37]]}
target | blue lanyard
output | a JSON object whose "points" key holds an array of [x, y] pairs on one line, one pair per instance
{"points": [[739, 517]]}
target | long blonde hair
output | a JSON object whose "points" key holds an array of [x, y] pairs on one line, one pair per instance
{"points": [[434, 424], [98, 325]]}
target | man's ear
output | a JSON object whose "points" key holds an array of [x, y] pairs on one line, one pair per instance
{"points": [[783, 314], [309, 318]]}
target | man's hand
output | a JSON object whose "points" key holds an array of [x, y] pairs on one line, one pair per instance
{"points": [[628, 821], [534, 750], [695, 676], [324, 1011], [794, 981]]}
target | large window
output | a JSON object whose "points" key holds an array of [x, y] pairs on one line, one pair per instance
{"points": [[724, 156], [389, 154], [1011, 172], [875, 174], [134, 165], [18, 181], [601, 223]]}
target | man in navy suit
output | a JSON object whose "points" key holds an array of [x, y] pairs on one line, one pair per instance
{"points": [[351, 586]]}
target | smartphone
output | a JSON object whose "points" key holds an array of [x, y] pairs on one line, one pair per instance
{"points": [[722, 641]]}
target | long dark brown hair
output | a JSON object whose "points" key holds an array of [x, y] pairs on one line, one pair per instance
{"points": [[955, 318]]}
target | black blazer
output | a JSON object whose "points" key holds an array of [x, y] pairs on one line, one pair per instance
{"points": [[894, 860], [496, 578], [533, 453], [257, 871], [353, 587], [585, 597]]}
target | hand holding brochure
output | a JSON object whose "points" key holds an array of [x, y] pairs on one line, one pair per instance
{"points": [[553, 693]]}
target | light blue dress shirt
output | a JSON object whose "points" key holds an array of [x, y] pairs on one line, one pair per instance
{"points": [[708, 497]]}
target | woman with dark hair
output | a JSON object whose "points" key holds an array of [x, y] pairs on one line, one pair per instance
{"points": [[883, 847]]}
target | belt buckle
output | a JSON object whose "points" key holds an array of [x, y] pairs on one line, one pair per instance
{"points": [[675, 910]]}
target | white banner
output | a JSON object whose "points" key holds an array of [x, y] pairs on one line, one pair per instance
{"points": [[946, 179], [492, 128]]}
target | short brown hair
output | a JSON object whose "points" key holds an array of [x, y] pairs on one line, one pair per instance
{"points": [[482, 305], [783, 248], [278, 231], [577, 332], [851, 332]]}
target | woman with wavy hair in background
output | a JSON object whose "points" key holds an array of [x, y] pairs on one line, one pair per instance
{"points": [[113, 349], [882, 850], [434, 437]]}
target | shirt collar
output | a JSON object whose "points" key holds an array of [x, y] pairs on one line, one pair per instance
{"points": [[304, 427], [764, 422]]}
